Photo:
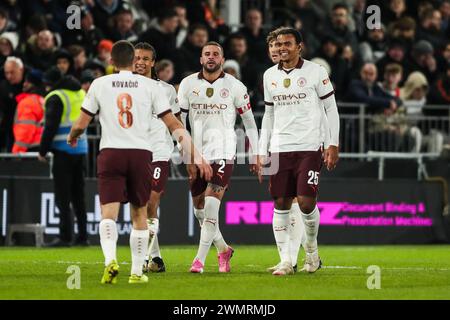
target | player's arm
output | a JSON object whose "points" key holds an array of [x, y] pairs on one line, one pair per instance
{"points": [[325, 92], [78, 127], [242, 104], [266, 126], [88, 111], [184, 139]]}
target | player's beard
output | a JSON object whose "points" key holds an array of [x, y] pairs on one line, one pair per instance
{"points": [[211, 70]]}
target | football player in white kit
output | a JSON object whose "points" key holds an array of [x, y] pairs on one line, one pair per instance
{"points": [[297, 235], [162, 148], [293, 122], [212, 99], [126, 103]]}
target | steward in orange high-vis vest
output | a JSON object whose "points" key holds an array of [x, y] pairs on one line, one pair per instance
{"points": [[28, 121]]}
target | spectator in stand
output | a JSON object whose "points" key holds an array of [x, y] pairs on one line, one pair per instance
{"points": [[165, 70], [103, 13], [237, 50], [29, 116], [366, 90], [162, 36], [183, 24], [232, 67], [54, 13], [330, 52], [35, 24], [192, 49], [414, 92], [8, 45], [104, 52], [444, 8], [86, 79], [5, 23], [394, 12], [375, 46], [304, 11], [88, 36], [78, 54], [396, 53], [339, 29], [123, 26], [40, 50], [96, 66], [403, 30], [440, 90], [63, 61], [444, 58], [10, 87], [393, 74], [359, 10], [422, 59], [255, 35], [14, 12], [430, 28]]}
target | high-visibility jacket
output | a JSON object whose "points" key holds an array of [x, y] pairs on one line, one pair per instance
{"points": [[71, 101], [28, 121]]}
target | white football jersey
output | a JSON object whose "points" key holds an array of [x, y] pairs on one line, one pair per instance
{"points": [[295, 98], [126, 103], [161, 139], [212, 109]]}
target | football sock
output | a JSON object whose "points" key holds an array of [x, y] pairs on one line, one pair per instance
{"points": [[311, 222], [218, 240], [153, 247], [280, 225], [296, 231], [209, 227], [108, 239], [138, 245]]}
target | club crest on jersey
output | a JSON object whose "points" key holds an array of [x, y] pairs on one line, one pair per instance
{"points": [[287, 82], [209, 92], [224, 93], [301, 82]]}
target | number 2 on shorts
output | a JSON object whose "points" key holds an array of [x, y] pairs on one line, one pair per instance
{"points": [[125, 110]]}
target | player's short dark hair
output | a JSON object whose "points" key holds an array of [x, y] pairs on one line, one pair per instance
{"points": [[213, 43], [294, 32], [122, 54], [146, 46]]}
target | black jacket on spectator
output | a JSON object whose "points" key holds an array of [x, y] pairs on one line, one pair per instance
{"points": [[54, 109], [435, 37], [376, 98], [189, 59], [88, 40], [104, 19], [53, 11], [164, 43], [38, 59], [339, 73], [343, 36], [257, 47]]}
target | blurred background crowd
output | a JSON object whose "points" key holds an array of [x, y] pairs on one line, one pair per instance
{"points": [[403, 64]]}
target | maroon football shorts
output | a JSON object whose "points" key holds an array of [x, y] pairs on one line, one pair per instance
{"points": [[160, 175], [222, 170], [298, 174], [124, 175]]}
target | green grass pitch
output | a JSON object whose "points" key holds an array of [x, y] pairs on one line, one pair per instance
{"points": [[407, 272]]}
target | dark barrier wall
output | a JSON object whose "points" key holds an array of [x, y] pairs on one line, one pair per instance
{"points": [[352, 211]]}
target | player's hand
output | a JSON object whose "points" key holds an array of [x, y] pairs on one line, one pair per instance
{"points": [[42, 159], [206, 171], [192, 171], [255, 167], [72, 141], [331, 157]]}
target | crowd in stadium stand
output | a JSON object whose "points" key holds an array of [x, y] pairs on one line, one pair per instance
{"points": [[404, 63]]}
